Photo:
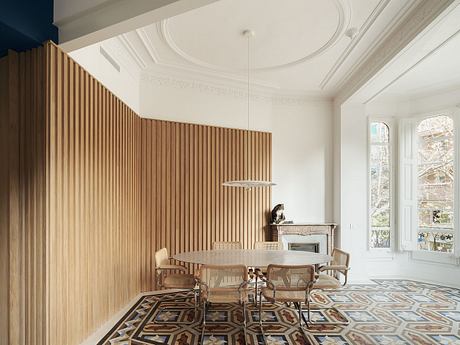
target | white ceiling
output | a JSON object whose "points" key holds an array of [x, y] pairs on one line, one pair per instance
{"points": [[437, 73], [300, 46]]}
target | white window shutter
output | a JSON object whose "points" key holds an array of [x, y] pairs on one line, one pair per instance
{"points": [[456, 117], [407, 210]]}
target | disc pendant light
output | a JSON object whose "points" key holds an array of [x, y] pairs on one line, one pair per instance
{"points": [[248, 183]]}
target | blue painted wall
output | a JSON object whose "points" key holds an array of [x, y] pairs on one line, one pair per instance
{"points": [[25, 24]]}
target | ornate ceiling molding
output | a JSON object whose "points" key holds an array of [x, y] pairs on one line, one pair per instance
{"points": [[420, 18], [344, 13], [228, 91], [354, 42]]}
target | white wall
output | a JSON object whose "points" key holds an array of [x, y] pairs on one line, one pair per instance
{"points": [[123, 84], [301, 134], [302, 160]]}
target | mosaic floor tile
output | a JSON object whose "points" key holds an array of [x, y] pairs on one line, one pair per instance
{"points": [[388, 312]]}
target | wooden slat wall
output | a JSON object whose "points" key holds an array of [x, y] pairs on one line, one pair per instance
{"points": [[22, 131], [92, 191], [184, 205], [94, 256], [33, 192], [5, 198]]}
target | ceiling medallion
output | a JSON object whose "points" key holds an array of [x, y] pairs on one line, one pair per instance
{"points": [[248, 184], [343, 11]]}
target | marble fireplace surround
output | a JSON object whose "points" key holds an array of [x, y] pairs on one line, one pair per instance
{"points": [[305, 233]]}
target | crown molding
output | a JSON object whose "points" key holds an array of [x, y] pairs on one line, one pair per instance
{"points": [[124, 40], [403, 33], [354, 42], [382, 36], [418, 92], [294, 99]]}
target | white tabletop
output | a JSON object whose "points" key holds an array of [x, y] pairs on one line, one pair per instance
{"points": [[252, 257]]}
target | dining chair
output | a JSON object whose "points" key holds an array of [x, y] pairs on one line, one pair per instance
{"points": [[167, 278], [223, 284], [340, 265], [226, 245], [267, 245], [260, 271], [287, 284]]}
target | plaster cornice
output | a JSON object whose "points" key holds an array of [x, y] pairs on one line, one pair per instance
{"points": [[354, 42], [419, 19], [231, 91]]}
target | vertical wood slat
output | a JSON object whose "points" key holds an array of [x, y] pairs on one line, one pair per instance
{"points": [[100, 190], [94, 203], [184, 205]]}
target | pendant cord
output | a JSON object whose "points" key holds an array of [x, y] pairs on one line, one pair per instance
{"points": [[249, 96], [248, 79]]}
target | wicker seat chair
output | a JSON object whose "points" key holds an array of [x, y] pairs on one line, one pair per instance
{"points": [[327, 282], [260, 271], [167, 278], [223, 284], [288, 284], [226, 245]]}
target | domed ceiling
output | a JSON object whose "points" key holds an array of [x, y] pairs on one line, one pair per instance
{"points": [[302, 46]]}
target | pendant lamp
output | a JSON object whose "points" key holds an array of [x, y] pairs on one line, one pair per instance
{"points": [[248, 183]]}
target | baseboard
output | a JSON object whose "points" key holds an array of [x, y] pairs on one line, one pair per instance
{"points": [[107, 326], [427, 281]]}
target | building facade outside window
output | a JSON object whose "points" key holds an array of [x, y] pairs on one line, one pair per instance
{"points": [[435, 184], [380, 176]]}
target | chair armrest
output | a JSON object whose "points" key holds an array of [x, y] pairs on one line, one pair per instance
{"points": [[271, 286], [334, 268], [172, 268]]}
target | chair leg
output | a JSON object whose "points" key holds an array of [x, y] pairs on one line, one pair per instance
{"points": [[245, 323], [256, 288], [260, 319], [195, 308], [339, 323], [203, 325], [301, 328]]}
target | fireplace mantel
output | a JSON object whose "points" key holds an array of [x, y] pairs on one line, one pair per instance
{"points": [[304, 229]]}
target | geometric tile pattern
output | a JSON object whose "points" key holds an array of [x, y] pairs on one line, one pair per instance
{"points": [[388, 312]]}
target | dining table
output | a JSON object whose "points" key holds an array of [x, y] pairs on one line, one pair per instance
{"points": [[252, 257]]}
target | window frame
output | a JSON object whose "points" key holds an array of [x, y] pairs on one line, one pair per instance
{"points": [[392, 142], [433, 256]]}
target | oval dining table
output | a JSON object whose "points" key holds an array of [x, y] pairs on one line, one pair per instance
{"points": [[252, 257]]}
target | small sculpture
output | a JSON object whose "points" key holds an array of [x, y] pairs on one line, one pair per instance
{"points": [[278, 214]]}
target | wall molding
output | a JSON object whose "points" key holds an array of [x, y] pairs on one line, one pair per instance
{"points": [[231, 91], [415, 22], [354, 42]]}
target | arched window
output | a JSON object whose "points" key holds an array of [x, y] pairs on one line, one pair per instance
{"points": [[380, 186], [435, 192]]}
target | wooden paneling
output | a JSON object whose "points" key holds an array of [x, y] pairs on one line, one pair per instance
{"points": [[23, 197], [4, 203], [92, 191], [33, 192], [184, 205], [94, 255]]}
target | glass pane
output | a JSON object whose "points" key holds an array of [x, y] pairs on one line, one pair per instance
{"points": [[436, 183], [380, 175], [380, 238], [379, 132], [435, 241]]}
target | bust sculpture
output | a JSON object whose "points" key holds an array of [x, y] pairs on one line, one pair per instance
{"points": [[278, 214]]}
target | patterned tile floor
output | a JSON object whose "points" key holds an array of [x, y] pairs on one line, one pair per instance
{"points": [[389, 312]]}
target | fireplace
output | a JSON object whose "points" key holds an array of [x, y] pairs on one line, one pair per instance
{"points": [[317, 238], [306, 247]]}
